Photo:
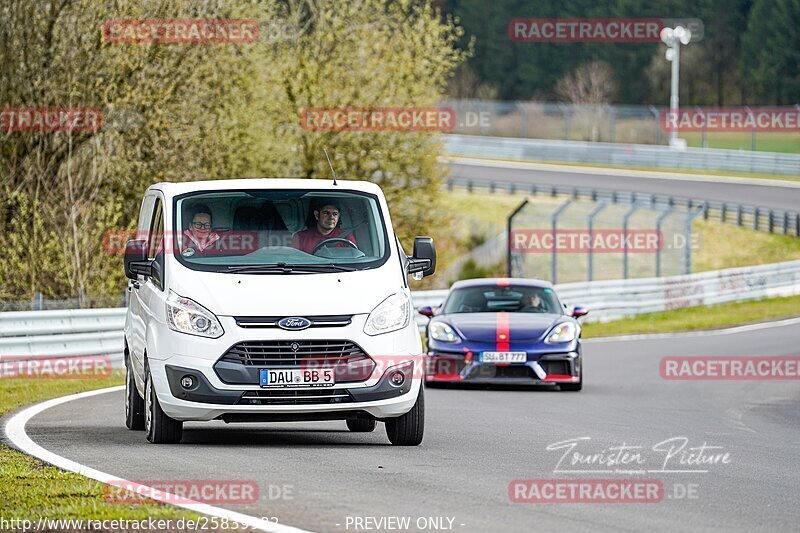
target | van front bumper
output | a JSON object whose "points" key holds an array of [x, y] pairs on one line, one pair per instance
{"points": [[202, 401], [171, 356]]}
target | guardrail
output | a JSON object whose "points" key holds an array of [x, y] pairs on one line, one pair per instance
{"points": [[33, 334], [637, 155], [614, 299]]}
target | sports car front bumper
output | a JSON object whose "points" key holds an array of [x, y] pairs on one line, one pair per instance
{"points": [[546, 369]]}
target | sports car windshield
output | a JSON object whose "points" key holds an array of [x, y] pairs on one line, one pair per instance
{"points": [[280, 231], [511, 299]]}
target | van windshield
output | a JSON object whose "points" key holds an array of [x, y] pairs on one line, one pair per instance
{"points": [[279, 230]]}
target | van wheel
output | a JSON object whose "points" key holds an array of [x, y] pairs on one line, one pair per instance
{"points": [[361, 425], [407, 430], [134, 403], [160, 428]]}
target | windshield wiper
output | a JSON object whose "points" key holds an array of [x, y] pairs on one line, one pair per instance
{"points": [[284, 268], [330, 267], [266, 269]]}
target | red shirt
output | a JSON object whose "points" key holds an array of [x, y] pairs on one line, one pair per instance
{"points": [[307, 239]]}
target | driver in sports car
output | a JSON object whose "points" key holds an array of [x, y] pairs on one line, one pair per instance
{"points": [[327, 217]]}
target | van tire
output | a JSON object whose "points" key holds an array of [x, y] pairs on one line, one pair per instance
{"points": [[134, 403], [160, 429], [361, 425], [408, 429]]}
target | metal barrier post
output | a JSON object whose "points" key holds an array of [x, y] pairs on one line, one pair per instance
{"points": [[625, 219], [688, 236], [509, 235], [659, 222], [656, 115], [553, 224], [590, 225]]}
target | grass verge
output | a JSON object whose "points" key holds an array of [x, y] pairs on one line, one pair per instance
{"points": [[698, 318], [483, 216], [33, 490]]}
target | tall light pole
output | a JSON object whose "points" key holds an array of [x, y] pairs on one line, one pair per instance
{"points": [[674, 38]]}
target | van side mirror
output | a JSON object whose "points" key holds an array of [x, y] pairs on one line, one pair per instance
{"points": [[136, 263], [423, 261], [579, 311]]}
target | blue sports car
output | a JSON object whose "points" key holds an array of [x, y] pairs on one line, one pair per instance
{"points": [[504, 330]]}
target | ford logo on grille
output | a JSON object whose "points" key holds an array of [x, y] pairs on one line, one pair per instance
{"points": [[294, 323]]}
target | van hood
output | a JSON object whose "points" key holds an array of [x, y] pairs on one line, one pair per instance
{"points": [[340, 293]]}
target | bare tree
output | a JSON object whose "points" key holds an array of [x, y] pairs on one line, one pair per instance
{"points": [[591, 83]]}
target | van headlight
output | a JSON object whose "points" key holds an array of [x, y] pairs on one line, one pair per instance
{"points": [[442, 332], [187, 316], [564, 332], [390, 315]]}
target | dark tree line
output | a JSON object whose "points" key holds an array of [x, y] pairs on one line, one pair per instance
{"points": [[749, 54]]}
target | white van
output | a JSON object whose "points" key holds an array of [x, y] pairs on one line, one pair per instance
{"points": [[264, 300]]}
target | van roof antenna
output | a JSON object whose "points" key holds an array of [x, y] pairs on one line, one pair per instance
{"points": [[331, 165]]}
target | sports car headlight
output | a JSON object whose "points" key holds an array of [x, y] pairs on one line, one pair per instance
{"points": [[564, 332], [390, 315], [187, 316], [442, 332]]}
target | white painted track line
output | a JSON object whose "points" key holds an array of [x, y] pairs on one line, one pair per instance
{"points": [[15, 431]]}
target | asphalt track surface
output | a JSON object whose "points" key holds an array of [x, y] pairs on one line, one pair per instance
{"points": [[776, 197], [478, 440]]}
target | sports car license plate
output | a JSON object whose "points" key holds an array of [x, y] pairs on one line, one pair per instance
{"points": [[504, 357], [318, 377]]}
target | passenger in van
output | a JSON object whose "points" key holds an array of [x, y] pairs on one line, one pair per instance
{"points": [[199, 238], [327, 220]]}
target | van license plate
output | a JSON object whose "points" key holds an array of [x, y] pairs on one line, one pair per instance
{"points": [[316, 377]]}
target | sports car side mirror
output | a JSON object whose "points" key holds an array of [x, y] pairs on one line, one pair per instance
{"points": [[426, 311], [579, 311]]}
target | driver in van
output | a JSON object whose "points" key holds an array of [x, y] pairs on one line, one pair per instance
{"points": [[327, 218]]}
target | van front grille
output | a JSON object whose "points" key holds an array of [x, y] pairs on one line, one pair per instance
{"points": [[293, 353]]}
